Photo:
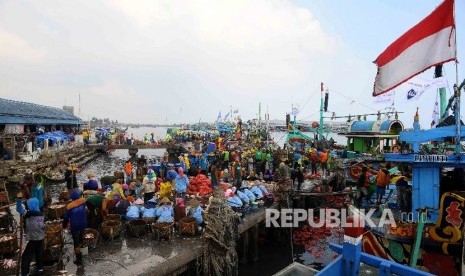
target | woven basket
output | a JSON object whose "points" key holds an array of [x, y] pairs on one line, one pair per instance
{"points": [[137, 227], [4, 197], [112, 217], [118, 175], [90, 242], [111, 228], [53, 234], [64, 196], [9, 245], [149, 220], [5, 220], [56, 211], [163, 229], [187, 226]]}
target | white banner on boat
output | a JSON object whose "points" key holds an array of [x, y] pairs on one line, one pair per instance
{"points": [[417, 86], [385, 99]]}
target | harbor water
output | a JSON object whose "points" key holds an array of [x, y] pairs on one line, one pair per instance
{"points": [[273, 255]]}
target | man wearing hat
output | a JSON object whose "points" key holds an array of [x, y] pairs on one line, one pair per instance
{"points": [[134, 210], [215, 174], [171, 174], [179, 210], [70, 177], [28, 181], [196, 211], [76, 215], [34, 223], [401, 183], [181, 183], [94, 205], [92, 183], [165, 212], [148, 185], [237, 173], [283, 170]]}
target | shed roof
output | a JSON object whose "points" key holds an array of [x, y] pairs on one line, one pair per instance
{"points": [[386, 125], [376, 127], [15, 112], [362, 126]]}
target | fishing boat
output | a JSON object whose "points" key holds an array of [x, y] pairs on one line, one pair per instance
{"points": [[430, 235], [373, 137], [297, 139]]}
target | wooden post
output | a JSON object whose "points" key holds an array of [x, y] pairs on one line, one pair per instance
{"points": [[21, 226], [245, 247], [418, 238], [254, 244], [14, 148]]}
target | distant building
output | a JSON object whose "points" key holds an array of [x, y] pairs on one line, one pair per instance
{"points": [[19, 117], [69, 109]]}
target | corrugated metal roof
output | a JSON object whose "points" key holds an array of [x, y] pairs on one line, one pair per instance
{"points": [[386, 125], [362, 126], [14, 112]]}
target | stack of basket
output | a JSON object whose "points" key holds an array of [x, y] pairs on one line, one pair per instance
{"points": [[8, 243], [8, 239], [187, 226], [56, 211], [53, 242], [6, 221], [53, 234], [137, 227], [112, 217], [163, 230], [90, 238], [64, 196], [112, 226]]}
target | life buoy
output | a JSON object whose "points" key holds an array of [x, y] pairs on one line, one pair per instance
{"points": [[355, 172]]}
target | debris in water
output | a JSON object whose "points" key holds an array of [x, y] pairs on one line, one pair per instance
{"points": [[6, 238], [9, 263]]}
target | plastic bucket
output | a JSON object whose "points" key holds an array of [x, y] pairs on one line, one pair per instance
{"points": [[84, 251]]}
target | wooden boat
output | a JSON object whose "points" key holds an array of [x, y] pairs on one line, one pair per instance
{"points": [[434, 239]]}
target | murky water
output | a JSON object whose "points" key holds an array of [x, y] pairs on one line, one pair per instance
{"points": [[102, 166]]}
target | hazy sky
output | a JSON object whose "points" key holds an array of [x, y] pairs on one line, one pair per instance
{"points": [[151, 61]]}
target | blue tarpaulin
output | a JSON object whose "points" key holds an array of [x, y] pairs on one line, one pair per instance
{"points": [[54, 137]]}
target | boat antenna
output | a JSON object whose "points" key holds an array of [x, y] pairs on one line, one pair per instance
{"points": [[320, 127]]}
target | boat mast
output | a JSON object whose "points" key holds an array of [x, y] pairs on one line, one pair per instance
{"points": [[442, 95], [320, 127]]}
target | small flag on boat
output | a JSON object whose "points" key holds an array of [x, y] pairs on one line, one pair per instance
{"points": [[226, 117], [417, 86], [429, 43], [218, 119]]}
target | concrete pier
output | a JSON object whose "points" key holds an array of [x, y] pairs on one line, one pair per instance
{"points": [[145, 256]]}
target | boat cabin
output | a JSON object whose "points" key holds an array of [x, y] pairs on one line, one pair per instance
{"points": [[373, 136]]}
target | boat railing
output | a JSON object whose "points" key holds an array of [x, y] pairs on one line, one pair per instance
{"points": [[348, 263]]}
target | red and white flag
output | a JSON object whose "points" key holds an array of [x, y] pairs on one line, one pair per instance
{"points": [[431, 42]]}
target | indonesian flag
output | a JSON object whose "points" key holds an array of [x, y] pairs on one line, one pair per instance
{"points": [[431, 42]]}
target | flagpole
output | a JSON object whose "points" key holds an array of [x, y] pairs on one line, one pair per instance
{"points": [[455, 37], [458, 145]]}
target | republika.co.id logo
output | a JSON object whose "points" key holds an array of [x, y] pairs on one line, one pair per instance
{"points": [[327, 218]]}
